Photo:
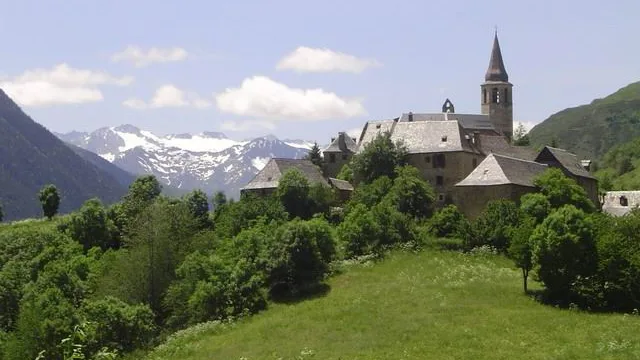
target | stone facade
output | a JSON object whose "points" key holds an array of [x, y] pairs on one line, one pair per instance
{"points": [[338, 154], [618, 203], [472, 200]]}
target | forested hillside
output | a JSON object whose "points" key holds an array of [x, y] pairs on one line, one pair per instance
{"points": [[591, 130], [31, 157]]}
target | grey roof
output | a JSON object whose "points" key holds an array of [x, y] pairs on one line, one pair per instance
{"points": [[269, 176], [341, 184], [342, 143], [498, 145], [611, 204], [501, 170], [496, 70], [421, 136], [568, 160], [467, 121]]}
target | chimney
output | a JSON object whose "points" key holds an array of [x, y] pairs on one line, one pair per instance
{"points": [[410, 116], [333, 139], [586, 164], [341, 141]]}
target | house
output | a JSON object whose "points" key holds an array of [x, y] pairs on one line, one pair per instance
{"points": [[619, 203], [267, 180], [338, 153], [496, 177], [571, 167]]}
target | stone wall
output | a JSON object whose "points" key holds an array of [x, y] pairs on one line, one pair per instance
{"points": [[333, 163], [471, 200]]}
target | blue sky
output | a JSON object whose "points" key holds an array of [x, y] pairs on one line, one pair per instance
{"points": [[302, 69]]}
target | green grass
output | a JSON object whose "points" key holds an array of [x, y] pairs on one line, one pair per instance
{"points": [[432, 305]]}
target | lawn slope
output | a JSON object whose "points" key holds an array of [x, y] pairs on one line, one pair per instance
{"points": [[432, 305]]}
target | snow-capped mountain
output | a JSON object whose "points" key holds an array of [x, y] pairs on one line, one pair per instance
{"points": [[209, 160]]}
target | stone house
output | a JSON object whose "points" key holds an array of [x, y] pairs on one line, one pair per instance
{"points": [[267, 180], [497, 177], [338, 153], [619, 203]]}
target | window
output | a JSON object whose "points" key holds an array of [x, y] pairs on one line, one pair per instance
{"points": [[439, 180], [444, 138], [484, 96], [427, 159], [440, 197], [344, 156], [438, 161], [332, 158], [474, 162], [506, 96], [624, 201], [495, 96]]}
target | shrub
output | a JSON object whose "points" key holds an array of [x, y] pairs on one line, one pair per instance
{"points": [[359, 234], [493, 225], [447, 222]]}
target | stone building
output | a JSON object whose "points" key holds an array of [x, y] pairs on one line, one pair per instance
{"points": [[338, 153], [497, 177], [619, 203], [267, 180]]}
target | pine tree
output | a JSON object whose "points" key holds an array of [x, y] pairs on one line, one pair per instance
{"points": [[315, 155]]}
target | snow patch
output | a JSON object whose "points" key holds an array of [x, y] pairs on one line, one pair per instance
{"points": [[108, 156], [199, 143], [259, 162]]}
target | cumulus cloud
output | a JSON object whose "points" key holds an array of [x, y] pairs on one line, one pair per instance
{"points": [[241, 126], [262, 97], [169, 96], [141, 58], [61, 84], [306, 59]]}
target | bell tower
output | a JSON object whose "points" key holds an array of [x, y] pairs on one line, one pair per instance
{"points": [[496, 93]]}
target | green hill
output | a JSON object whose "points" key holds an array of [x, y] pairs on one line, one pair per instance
{"points": [[591, 130], [431, 305]]}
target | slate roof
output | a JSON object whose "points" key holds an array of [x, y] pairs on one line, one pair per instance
{"points": [[498, 169], [422, 136], [496, 70], [269, 176], [498, 145], [342, 143], [341, 184], [467, 121], [568, 160]]}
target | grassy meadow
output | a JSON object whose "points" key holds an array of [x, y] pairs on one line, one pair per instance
{"points": [[429, 305]]}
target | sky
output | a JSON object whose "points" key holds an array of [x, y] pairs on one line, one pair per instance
{"points": [[303, 69]]}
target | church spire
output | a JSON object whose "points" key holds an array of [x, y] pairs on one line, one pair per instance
{"points": [[496, 70]]}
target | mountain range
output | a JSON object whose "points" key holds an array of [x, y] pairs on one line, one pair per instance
{"points": [[209, 161]]}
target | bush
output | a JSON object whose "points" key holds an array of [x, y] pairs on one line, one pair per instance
{"points": [[447, 222], [494, 224], [359, 234]]}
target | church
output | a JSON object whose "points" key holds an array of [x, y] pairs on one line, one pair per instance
{"points": [[467, 158]]}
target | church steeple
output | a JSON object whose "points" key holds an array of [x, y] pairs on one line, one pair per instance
{"points": [[496, 70]]}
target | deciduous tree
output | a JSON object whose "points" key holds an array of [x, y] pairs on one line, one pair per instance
{"points": [[50, 200]]}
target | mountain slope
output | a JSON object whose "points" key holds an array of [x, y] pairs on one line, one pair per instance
{"points": [[591, 130], [31, 157], [430, 305], [209, 161]]}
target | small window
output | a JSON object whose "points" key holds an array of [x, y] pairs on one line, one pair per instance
{"points": [[444, 138], [427, 159], [440, 197], [378, 126], [438, 161], [474, 162], [439, 180], [332, 158], [495, 96], [344, 156], [624, 201]]}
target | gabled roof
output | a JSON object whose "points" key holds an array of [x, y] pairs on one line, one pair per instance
{"points": [[269, 176], [502, 170], [496, 70], [341, 184], [569, 161], [342, 143], [467, 121]]}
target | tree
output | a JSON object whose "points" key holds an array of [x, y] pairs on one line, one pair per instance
{"points": [[359, 233], [315, 155], [293, 193], [142, 192], [561, 190], [50, 200], [380, 157], [447, 222], [536, 206], [494, 224], [346, 173], [199, 207], [564, 249], [521, 136], [410, 194], [91, 226], [520, 250], [219, 199]]}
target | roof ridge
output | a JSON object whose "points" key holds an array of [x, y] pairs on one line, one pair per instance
{"points": [[515, 158]]}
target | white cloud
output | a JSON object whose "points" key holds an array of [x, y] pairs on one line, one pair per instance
{"points": [[61, 84], [169, 96], [241, 126], [262, 97], [140, 57], [305, 59]]}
